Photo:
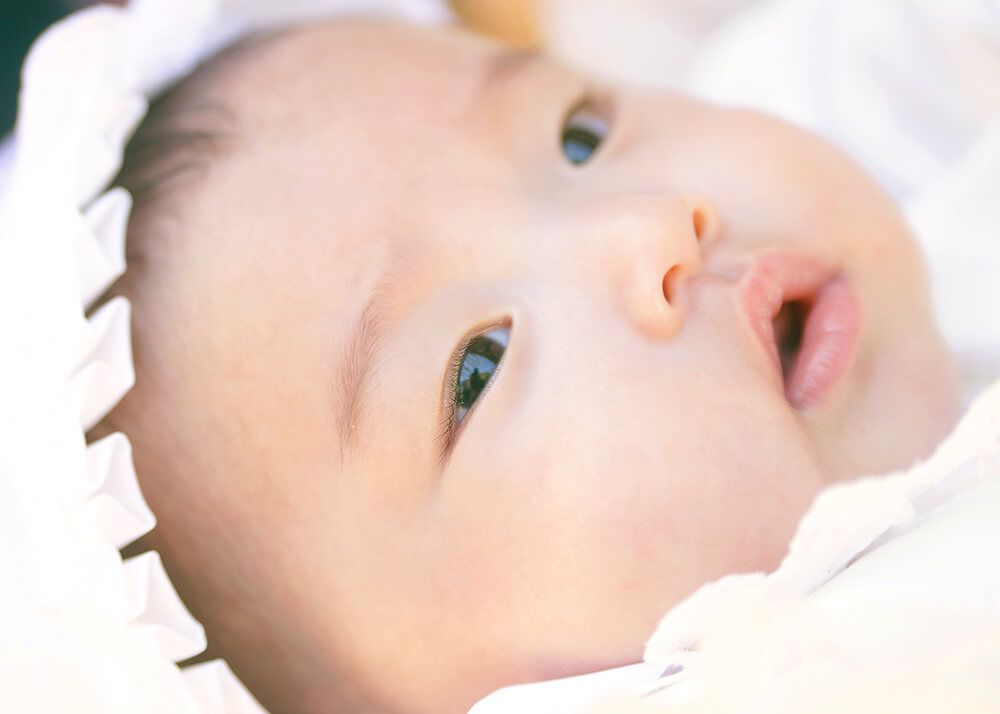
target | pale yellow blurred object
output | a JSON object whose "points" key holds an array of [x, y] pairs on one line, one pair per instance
{"points": [[513, 21]]}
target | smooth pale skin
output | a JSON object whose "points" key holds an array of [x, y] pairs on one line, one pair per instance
{"points": [[629, 450]]}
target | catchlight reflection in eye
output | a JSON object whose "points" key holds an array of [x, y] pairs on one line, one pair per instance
{"points": [[478, 363]]}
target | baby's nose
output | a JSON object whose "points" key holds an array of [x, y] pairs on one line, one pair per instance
{"points": [[651, 246]]}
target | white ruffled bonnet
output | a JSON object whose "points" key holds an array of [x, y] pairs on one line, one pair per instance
{"points": [[81, 630]]}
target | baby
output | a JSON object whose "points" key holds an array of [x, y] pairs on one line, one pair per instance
{"points": [[457, 369]]}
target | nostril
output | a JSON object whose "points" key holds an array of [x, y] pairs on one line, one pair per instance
{"points": [[670, 281], [700, 222]]}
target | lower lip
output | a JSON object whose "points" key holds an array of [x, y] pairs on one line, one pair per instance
{"points": [[831, 331], [828, 345]]}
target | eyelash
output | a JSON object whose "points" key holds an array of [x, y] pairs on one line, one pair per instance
{"points": [[446, 430]]}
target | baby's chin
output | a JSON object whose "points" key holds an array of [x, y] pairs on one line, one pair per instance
{"points": [[910, 402]]}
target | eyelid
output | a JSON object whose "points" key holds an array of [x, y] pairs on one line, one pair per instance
{"points": [[593, 116]]}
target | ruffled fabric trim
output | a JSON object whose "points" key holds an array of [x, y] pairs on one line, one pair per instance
{"points": [[82, 630]]}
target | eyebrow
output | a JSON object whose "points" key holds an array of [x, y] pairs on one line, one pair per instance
{"points": [[358, 360], [504, 65]]}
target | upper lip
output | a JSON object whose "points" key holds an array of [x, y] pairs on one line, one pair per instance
{"points": [[772, 280]]}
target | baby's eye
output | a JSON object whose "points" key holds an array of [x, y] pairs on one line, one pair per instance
{"points": [[583, 133], [477, 364]]}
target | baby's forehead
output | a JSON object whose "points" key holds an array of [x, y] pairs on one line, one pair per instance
{"points": [[345, 71], [350, 129], [342, 129]]}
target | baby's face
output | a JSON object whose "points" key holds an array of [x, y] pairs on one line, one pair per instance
{"points": [[395, 192]]}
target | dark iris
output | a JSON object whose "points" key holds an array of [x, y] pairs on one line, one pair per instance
{"points": [[579, 145], [582, 136], [479, 361]]}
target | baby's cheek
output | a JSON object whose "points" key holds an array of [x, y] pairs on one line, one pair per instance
{"points": [[735, 475], [558, 521]]}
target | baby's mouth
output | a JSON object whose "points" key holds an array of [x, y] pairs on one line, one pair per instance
{"points": [[789, 326], [808, 320]]}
